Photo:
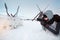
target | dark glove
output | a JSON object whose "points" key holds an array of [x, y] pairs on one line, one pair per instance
{"points": [[38, 19]]}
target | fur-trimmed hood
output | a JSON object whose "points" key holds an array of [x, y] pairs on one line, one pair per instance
{"points": [[49, 14]]}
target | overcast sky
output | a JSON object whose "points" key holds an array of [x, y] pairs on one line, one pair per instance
{"points": [[28, 7]]}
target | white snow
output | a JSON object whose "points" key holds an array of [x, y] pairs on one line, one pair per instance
{"points": [[31, 30]]}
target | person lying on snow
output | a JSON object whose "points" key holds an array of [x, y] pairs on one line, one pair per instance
{"points": [[50, 21]]}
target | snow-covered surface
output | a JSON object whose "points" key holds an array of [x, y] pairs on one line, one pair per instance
{"points": [[30, 30]]}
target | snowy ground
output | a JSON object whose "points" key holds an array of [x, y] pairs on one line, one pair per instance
{"points": [[30, 30]]}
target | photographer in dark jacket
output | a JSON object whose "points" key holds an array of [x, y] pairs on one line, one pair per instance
{"points": [[50, 21]]}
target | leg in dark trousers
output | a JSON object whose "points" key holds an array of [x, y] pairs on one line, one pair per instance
{"points": [[56, 31], [57, 28]]}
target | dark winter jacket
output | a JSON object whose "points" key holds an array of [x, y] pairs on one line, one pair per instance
{"points": [[56, 18]]}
